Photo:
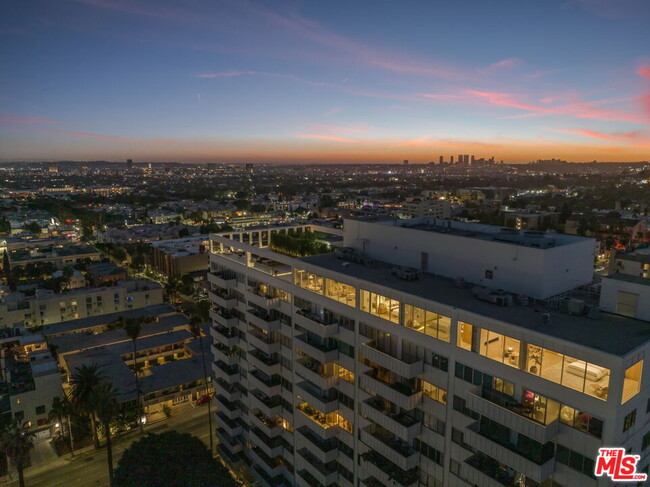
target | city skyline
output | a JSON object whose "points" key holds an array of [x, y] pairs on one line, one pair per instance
{"points": [[316, 83]]}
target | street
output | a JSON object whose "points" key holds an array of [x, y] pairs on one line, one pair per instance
{"points": [[89, 469]]}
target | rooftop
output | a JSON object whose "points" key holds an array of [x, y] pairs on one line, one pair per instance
{"points": [[512, 236], [630, 278], [610, 333], [93, 321]]}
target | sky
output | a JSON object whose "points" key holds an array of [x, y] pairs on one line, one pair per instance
{"points": [[374, 81]]}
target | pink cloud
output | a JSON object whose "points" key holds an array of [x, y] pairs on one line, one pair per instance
{"points": [[505, 63], [109, 137], [627, 137], [644, 71], [575, 108], [27, 120]]}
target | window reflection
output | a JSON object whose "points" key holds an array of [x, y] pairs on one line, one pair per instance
{"points": [[378, 305], [632, 381], [428, 322], [465, 335]]}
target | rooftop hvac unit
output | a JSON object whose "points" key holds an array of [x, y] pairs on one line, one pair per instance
{"points": [[576, 306]]}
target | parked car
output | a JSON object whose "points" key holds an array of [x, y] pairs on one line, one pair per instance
{"points": [[204, 399]]}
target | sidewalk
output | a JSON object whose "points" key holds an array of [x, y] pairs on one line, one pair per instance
{"points": [[44, 457]]}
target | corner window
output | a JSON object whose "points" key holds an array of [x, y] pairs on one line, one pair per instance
{"points": [[632, 381]]}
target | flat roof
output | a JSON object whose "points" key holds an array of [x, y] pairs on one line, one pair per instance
{"points": [[92, 321], [629, 278], [173, 374], [81, 341], [610, 333]]}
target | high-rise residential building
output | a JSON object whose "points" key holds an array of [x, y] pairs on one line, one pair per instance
{"points": [[422, 353], [466, 159], [451, 160], [441, 160], [129, 164]]}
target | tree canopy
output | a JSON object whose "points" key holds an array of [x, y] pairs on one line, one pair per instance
{"points": [[170, 459]]}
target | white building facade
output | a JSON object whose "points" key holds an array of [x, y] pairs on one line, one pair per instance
{"points": [[331, 372]]}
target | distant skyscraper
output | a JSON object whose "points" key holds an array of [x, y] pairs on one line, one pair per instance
{"points": [[451, 160], [53, 167], [406, 162], [441, 160], [129, 164], [466, 159], [472, 159], [460, 158], [249, 167]]}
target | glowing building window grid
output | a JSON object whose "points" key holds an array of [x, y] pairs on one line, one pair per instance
{"points": [[571, 372]]}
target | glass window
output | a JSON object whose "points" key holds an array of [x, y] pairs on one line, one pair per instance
{"points": [[632, 381], [534, 359], [341, 292], [378, 305], [465, 335], [434, 392], [551, 368]]}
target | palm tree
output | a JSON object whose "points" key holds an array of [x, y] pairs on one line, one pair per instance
{"points": [[85, 380], [106, 407], [16, 442], [173, 287], [60, 412], [195, 329], [133, 329]]}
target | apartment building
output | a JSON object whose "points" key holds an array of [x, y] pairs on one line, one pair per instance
{"points": [[420, 207], [425, 353], [18, 312]]}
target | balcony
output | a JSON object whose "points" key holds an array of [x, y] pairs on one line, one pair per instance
{"points": [[400, 424], [224, 280], [231, 408], [405, 367], [232, 444], [386, 472], [315, 324], [223, 318], [269, 364], [229, 391], [316, 421], [488, 472], [311, 480], [269, 426], [263, 479], [263, 321], [269, 385], [261, 299], [509, 455], [391, 447], [268, 406], [271, 466], [223, 299], [234, 460], [322, 351], [271, 446], [313, 371], [325, 450], [262, 341], [401, 393], [326, 473], [231, 426], [229, 356], [326, 401], [505, 410], [228, 373], [228, 337]]}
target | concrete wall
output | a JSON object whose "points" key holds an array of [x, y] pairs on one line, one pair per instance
{"points": [[539, 273]]}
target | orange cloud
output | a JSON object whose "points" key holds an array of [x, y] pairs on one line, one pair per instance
{"points": [[331, 138]]}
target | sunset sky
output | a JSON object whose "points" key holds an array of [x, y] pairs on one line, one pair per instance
{"points": [[324, 81]]}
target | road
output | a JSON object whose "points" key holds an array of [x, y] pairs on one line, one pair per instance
{"points": [[91, 469]]}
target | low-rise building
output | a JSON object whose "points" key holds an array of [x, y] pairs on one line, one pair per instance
{"points": [[59, 255], [18, 312], [180, 256]]}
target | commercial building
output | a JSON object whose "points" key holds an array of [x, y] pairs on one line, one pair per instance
{"points": [[531, 220], [18, 312], [58, 255], [421, 207], [424, 353], [180, 256]]}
